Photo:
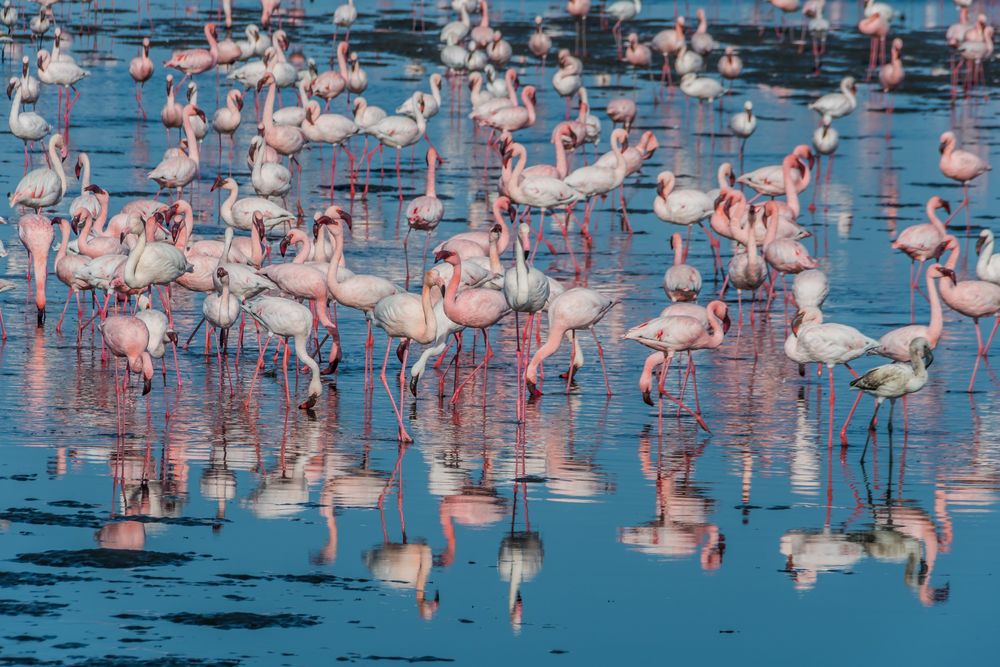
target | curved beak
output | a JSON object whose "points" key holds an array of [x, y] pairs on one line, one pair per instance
{"points": [[219, 180], [946, 206], [283, 246]]}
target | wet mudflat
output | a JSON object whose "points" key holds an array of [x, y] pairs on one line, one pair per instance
{"points": [[266, 535]]}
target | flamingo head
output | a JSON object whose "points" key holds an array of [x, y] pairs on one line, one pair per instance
{"points": [[948, 273], [258, 224], [192, 90], [265, 80], [170, 83], [984, 237], [941, 203], [97, 190], [11, 85], [447, 256], [219, 181], [222, 274], [211, 30], [238, 99], [947, 139], [285, 242]]}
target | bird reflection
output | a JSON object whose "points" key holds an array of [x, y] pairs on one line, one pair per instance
{"points": [[407, 564], [901, 532], [681, 527], [519, 561]]}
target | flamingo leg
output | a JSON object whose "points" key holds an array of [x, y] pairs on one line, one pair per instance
{"points": [[403, 435]]}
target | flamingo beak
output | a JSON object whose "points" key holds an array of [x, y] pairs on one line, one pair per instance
{"points": [[239, 102], [441, 255], [346, 217], [201, 114], [945, 271], [219, 181], [928, 357], [147, 386], [324, 220], [941, 146], [797, 323], [980, 242], [172, 337], [283, 246], [95, 189], [946, 206], [10, 87], [726, 323]]}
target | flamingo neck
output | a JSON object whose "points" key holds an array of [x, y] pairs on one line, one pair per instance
{"points": [[192, 140], [256, 253], [985, 255], [431, 168], [771, 223], [57, 164], [15, 106], [436, 92], [85, 176], [186, 229], [268, 120], [332, 279], [511, 91], [937, 317], [213, 46], [520, 265], [306, 250], [932, 216], [791, 192], [430, 321], [952, 262], [451, 292], [133, 259], [678, 252], [226, 209], [342, 64], [63, 243], [562, 165]]}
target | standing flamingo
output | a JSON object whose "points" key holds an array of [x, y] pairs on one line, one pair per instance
{"points": [[975, 299], [36, 234], [140, 69], [573, 310], [960, 165], [424, 213]]}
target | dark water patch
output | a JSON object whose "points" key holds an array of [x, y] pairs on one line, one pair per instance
{"points": [[37, 609], [104, 558], [241, 620], [11, 579], [29, 638], [24, 477], [354, 657], [160, 661], [66, 646], [39, 518], [24, 660], [73, 504]]}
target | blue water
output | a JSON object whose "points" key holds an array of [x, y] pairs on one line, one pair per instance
{"points": [[270, 536]]}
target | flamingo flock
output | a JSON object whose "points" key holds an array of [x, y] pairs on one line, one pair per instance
{"points": [[501, 278]]}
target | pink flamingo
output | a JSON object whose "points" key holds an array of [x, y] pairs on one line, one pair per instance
{"points": [[407, 316], [681, 281], [622, 110], [669, 42], [890, 75], [539, 43], [66, 266], [579, 9], [924, 241], [126, 337], [769, 181], [960, 165], [425, 212], [178, 171], [678, 333], [286, 139], [172, 113], [36, 234], [636, 54], [399, 132], [784, 255], [140, 69], [975, 299], [481, 238], [877, 28], [474, 308], [573, 310], [482, 34], [513, 118], [267, 10], [896, 343], [747, 271], [359, 291], [196, 61]]}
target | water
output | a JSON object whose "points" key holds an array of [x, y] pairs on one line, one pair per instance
{"points": [[269, 536]]}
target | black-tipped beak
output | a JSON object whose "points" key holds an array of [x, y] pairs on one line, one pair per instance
{"points": [[41, 317], [646, 398], [172, 337], [147, 386], [413, 384]]}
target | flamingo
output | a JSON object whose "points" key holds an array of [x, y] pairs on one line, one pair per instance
{"points": [[181, 170], [926, 240], [621, 11], [681, 281], [668, 335], [127, 337], [573, 310], [43, 187], [61, 73], [287, 319], [425, 212], [896, 343], [988, 265], [594, 180], [747, 271], [238, 212], [476, 308], [680, 207], [840, 103], [226, 120], [539, 43], [197, 61], [770, 181], [407, 316], [810, 288], [399, 132], [975, 299], [36, 235], [893, 381], [221, 309], [140, 69], [87, 199], [172, 113], [344, 16], [66, 266], [579, 9], [353, 290], [701, 41], [669, 42], [330, 128], [27, 126], [960, 165]]}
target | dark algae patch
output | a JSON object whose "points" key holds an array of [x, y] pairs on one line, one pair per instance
{"points": [[241, 620], [113, 559], [26, 608]]}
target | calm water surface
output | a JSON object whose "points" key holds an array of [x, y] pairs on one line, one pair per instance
{"points": [[263, 536]]}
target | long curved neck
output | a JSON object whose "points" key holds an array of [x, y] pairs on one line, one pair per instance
{"points": [[431, 168], [430, 321], [985, 255], [303, 98], [342, 64], [436, 91], [451, 292], [305, 251], [57, 164], [514, 185], [133, 259], [186, 229], [485, 20], [562, 165], [520, 265], [224, 300], [85, 177], [64, 242], [102, 215], [771, 223], [213, 46], [256, 252], [511, 91], [227, 205], [84, 240], [934, 219], [231, 103], [956, 250], [227, 244], [678, 252], [332, 279], [15, 107], [937, 317], [421, 121], [192, 139], [791, 192], [272, 90]]}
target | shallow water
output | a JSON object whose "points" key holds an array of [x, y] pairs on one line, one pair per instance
{"points": [[269, 536]]}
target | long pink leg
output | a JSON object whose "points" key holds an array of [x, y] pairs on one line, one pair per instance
{"points": [[403, 435], [979, 355], [843, 429], [256, 370], [600, 355]]}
